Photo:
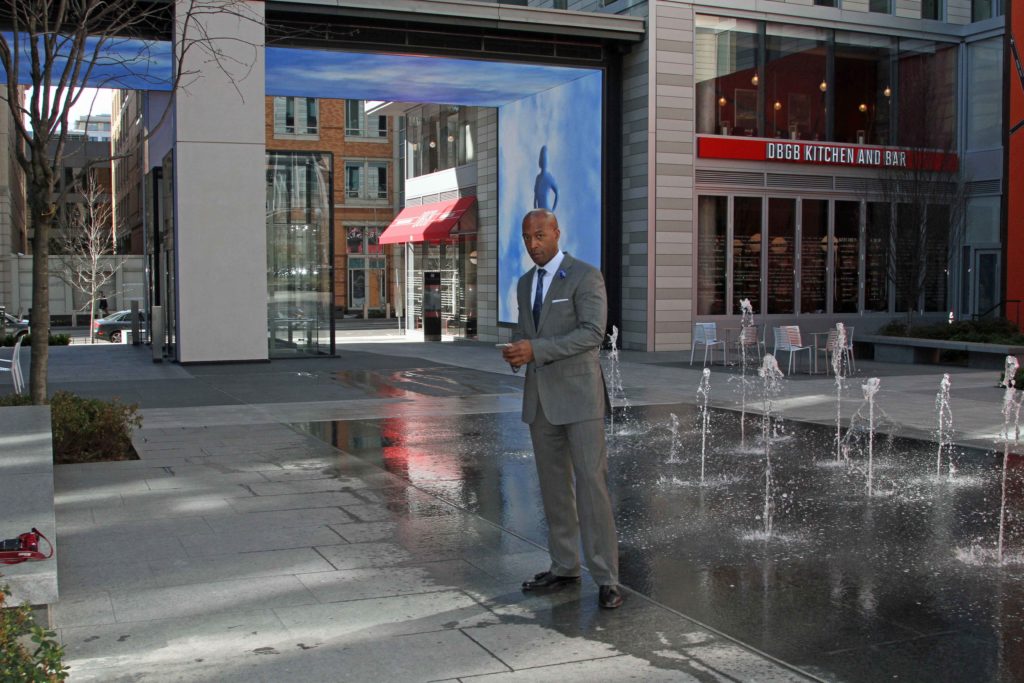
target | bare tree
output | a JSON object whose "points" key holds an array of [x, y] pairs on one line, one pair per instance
{"points": [[84, 242], [58, 47], [924, 188]]}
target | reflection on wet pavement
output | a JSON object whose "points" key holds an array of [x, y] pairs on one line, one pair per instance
{"points": [[899, 585], [429, 381]]}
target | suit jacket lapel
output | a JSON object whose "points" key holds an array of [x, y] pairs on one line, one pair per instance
{"points": [[526, 300], [557, 286]]}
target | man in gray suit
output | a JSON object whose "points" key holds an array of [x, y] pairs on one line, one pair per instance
{"points": [[563, 310]]}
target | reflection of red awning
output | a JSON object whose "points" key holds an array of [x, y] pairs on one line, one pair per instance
{"points": [[427, 222]]}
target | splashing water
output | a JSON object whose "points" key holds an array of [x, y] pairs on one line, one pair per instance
{"points": [[746, 323], [771, 376], [870, 388], [673, 449], [944, 434], [1011, 414], [839, 371], [617, 391], [703, 393]]}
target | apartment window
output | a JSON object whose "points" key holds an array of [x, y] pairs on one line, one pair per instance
{"points": [[560, 4], [366, 179], [827, 3], [986, 9], [883, 6], [296, 116], [358, 124], [931, 9]]}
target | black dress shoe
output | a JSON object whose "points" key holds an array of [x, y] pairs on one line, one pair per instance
{"points": [[609, 597], [548, 580]]}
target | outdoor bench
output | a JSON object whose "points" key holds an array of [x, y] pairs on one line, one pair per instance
{"points": [[917, 350], [26, 499]]}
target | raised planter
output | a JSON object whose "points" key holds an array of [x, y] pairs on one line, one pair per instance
{"points": [[26, 498], [918, 350]]}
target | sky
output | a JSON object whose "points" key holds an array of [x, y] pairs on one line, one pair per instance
{"points": [[101, 104]]}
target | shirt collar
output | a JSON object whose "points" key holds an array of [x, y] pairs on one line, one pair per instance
{"points": [[551, 267]]}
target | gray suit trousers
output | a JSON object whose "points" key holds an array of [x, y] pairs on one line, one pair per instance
{"points": [[565, 453]]}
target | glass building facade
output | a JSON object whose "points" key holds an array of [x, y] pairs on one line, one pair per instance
{"points": [[817, 239], [300, 315]]}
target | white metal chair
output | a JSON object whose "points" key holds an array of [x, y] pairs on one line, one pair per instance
{"points": [[849, 348], [750, 341], [787, 338], [707, 334], [15, 362]]}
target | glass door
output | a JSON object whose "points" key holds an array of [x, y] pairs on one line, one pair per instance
{"points": [[300, 282], [988, 292]]}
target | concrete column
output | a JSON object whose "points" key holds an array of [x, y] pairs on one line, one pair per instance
{"points": [[219, 202]]}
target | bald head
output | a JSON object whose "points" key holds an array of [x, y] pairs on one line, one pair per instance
{"points": [[540, 235]]}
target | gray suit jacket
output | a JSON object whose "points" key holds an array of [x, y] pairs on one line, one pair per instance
{"points": [[565, 374]]}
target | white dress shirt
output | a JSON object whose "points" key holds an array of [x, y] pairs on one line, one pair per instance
{"points": [[550, 271]]}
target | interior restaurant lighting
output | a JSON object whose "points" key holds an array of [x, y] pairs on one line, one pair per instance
{"points": [[887, 91], [823, 86], [862, 108], [777, 105], [755, 80], [722, 101]]}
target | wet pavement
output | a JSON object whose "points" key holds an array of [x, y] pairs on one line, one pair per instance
{"points": [[370, 517], [846, 586]]}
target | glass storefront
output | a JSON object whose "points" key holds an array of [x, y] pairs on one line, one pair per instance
{"points": [[839, 248], [764, 79], [456, 262], [300, 317]]}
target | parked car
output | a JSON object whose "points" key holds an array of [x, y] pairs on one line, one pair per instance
{"points": [[112, 327], [15, 326]]}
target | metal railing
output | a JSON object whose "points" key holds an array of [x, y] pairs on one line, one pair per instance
{"points": [[1003, 305]]}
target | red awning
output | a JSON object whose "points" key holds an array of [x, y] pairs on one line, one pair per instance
{"points": [[427, 222]]}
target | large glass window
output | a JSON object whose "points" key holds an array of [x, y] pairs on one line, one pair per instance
{"points": [[937, 258], [727, 78], [781, 280], [824, 84], [984, 78], [884, 6], [712, 222], [927, 94], [299, 278], [878, 230], [863, 88], [795, 82], [813, 255], [846, 258], [296, 116], [359, 124], [439, 137], [986, 9], [746, 250]]}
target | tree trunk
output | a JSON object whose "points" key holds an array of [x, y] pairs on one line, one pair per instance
{"points": [[41, 217]]}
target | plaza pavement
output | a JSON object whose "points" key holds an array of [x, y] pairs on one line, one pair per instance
{"points": [[239, 548]]}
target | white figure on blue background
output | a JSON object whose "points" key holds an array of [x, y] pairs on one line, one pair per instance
{"points": [[544, 184]]}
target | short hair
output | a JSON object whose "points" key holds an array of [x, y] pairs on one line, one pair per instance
{"points": [[541, 213]]}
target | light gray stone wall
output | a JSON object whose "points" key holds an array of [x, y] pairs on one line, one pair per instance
{"points": [[671, 246], [636, 116], [487, 230]]}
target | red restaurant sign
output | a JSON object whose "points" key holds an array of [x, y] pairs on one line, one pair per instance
{"points": [[823, 154]]}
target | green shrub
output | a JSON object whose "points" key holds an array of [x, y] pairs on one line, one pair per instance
{"points": [[986, 330], [55, 340], [28, 652], [87, 429]]}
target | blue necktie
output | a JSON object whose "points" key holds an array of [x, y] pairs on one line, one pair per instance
{"points": [[538, 298]]}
